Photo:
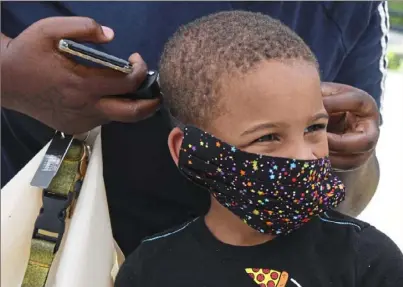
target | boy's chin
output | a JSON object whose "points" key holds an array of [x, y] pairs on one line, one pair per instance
{"points": [[230, 229]]}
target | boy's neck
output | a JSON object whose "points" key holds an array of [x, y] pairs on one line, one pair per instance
{"points": [[230, 229]]}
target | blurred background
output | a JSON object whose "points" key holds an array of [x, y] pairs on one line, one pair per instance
{"points": [[396, 36], [385, 211]]}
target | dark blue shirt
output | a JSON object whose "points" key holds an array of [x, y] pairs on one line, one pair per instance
{"points": [[348, 38], [332, 250]]}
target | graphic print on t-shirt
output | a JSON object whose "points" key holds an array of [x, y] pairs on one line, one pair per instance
{"points": [[265, 277]]}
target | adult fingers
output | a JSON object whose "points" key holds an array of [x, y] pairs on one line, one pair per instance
{"points": [[360, 104], [329, 88], [107, 82], [360, 141], [75, 28]]}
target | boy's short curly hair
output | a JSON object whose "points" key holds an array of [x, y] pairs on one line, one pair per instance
{"points": [[231, 43]]}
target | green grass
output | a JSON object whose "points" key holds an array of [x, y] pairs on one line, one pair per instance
{"points": [[396, 6], [394, 61]]}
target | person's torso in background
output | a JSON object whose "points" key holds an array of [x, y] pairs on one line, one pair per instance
{"points": [[139, 172]]}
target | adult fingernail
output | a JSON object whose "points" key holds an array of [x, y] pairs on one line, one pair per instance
{"points": [[135, 58], [108, 32]]}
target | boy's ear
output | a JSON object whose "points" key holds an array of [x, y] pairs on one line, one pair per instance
{"points": [[175, 139]]}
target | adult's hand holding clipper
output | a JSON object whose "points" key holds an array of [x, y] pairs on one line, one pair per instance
{"points": [[39, 81]]}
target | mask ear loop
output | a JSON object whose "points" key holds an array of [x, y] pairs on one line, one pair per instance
{"points": [[176, 123], [173, 121]]}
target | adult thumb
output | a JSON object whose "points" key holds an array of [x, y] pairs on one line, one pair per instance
{"points": [[82, 29]]}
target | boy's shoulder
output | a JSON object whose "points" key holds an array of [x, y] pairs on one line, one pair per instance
{"points": [[340, 225], [156, 253], [165, 244], [348, 237], [339, 220], [377, 258]]}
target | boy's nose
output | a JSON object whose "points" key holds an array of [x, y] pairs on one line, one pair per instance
{"points": [[302, 151]]}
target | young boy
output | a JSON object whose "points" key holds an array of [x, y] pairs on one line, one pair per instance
{"points": [[244, 93]]}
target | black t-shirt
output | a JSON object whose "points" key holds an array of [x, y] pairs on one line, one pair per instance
{"points": [[332, 250], [146, 193]]}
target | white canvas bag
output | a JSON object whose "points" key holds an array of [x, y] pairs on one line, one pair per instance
{"points": [[88, 255]]}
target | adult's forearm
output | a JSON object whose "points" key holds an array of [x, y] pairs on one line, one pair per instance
{"points": [[4, 42], [361, 185], [6, 99]]}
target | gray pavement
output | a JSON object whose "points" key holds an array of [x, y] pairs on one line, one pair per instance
{"points": [[395, 39]]}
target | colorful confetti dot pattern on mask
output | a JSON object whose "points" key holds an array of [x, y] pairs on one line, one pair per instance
{"points": [[271, 194]]}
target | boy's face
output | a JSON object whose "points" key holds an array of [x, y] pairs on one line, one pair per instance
{"points": [[275, 110]]}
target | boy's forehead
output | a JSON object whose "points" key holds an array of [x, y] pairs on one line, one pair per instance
{"points": [[273, 91]]}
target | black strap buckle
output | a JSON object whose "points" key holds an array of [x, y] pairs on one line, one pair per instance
{"points": [[50, 223]]}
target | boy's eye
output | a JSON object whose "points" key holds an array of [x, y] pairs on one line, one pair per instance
{"points": [[315, 128], [275, 137], [268, 138]]}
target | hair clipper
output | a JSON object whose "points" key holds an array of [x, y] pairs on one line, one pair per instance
{"points": [[149, 89]]}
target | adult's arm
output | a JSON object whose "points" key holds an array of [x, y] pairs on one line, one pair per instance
{"points": [[365, 69], [5, 98], [361, 186]]}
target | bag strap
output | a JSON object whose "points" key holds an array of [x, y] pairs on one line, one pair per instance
{"points": [[58, 204]]}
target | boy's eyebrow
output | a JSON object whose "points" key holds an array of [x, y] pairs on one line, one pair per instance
{"points": [[259, 127], [320, 116], [272, 125]]}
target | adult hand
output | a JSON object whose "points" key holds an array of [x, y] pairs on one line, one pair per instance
{"points": [[353, 129], [39, 81]]}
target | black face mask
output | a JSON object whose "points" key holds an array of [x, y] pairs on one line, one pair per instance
{"points": [[272, 195]]}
